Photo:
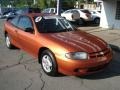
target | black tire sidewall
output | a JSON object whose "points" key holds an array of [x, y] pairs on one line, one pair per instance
{"points": [[80, 21], [95, 21]]}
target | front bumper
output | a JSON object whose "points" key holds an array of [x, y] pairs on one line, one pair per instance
{"points": [[83, 67]]}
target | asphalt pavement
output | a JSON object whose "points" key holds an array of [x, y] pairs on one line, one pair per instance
{"points": [[20, 71]]}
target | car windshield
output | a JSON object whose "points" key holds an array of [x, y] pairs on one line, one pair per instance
{"points": [[52, 24]]}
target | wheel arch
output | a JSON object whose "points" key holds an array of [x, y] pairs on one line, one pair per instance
{"points": [[54, 71], [40, 52], [96, 18]]}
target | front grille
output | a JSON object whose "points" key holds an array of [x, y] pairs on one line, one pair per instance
{"points": [[99, 54]]}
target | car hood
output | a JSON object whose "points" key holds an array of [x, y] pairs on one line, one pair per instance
{"points": [[79, 41]]}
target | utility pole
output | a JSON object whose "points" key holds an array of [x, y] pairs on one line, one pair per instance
{"points": [[58, 7], [34, 2]]}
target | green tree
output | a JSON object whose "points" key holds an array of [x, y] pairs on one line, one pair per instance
{"points": [[42, 4], [81, 1], [4, 3], [20, 3], [29, 2], [84, 1], [67, 4], [51, 3]]}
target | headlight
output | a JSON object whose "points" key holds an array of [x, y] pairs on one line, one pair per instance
{"points": [[77, 55]]}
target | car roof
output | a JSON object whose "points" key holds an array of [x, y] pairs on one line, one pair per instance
{"points": [[46, 16]]}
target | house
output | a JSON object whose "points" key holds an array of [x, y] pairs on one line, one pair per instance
{"points": [[110, 14]]}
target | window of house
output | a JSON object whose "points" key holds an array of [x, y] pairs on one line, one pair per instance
{"points": [[118, 11]]}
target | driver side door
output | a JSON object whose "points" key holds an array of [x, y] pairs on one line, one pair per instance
{"points": [[27, 39]]}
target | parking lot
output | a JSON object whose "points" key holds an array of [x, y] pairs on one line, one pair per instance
{"points": [[20, 71]]}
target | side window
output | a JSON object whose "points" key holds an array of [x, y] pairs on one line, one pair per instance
{"points": [[67, 12], [117, 17], [14, 21], [74, 11], [52, 11], [46, 11], [94, 12], [25, 22]]}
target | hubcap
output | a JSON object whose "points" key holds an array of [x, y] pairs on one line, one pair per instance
{"points": [[7, 41], [97, 21], [46, 63]]}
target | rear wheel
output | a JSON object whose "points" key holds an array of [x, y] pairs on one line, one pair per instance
{"points": [[8, 42], [80, 21], [97, 20], [48, 63]]}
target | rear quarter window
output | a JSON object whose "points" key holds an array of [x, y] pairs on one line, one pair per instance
{"points": [[13, 21]]}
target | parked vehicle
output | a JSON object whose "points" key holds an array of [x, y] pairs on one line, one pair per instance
{"points": [[71, 15], [3, 11], [9, 14], [95, 16], [50, 11], [58, 46], [84, 14]]}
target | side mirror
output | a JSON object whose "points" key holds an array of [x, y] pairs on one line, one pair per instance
{"points": [[29, 29]]}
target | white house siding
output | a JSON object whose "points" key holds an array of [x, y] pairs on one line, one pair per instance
{"points": [[108, 15]]}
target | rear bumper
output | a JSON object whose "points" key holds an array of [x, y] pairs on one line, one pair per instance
{"points": [[80, 68], [87, 20]]}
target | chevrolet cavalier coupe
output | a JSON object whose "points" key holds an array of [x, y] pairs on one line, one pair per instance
{"points": [[59, 47]]}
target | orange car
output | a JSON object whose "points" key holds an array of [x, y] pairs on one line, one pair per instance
{"points": [[58, 45]]}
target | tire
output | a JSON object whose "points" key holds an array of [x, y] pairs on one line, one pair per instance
{"points": [[48, 63], [97, 20], [8, 42], [64, 17], [81, 22]]}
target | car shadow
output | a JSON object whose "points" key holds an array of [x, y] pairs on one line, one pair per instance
{"points": [[86, 24], [89, 24], [113, 68]]}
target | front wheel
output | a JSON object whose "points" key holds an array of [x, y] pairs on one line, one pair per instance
{"points": [[48, 63], [8, 42]]}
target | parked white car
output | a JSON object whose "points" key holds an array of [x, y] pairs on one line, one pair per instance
{"points": [[71, 15], [49, 10], [95, 16], [84, 15]]}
